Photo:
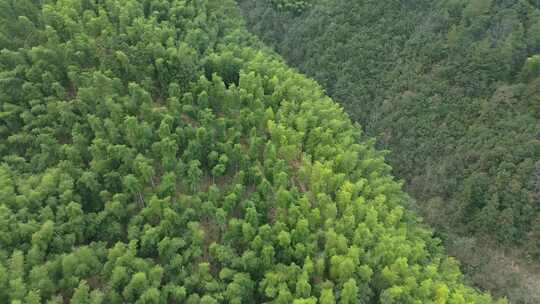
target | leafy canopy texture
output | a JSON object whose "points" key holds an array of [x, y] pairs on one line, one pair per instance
{"points": [[450, 87], [154, 152]]}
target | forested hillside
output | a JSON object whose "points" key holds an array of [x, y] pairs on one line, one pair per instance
{"points": [[451, 87], [154, 152]]}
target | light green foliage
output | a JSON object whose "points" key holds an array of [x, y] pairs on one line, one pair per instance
{"points": [[155, 152], [531, 70]]}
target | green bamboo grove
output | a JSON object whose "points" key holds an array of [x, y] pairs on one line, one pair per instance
{"points": [[153, 151]]}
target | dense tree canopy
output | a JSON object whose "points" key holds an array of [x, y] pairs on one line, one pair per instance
{"points": [[154, 152], [451, 87]]}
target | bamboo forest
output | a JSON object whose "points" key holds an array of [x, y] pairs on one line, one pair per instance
{"points": [[269, 151]]}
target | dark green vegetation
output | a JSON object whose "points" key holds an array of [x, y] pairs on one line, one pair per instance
{"points": [[451, 87], [154, 152], [290, 6]]}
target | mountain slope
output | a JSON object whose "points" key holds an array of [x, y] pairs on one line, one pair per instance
{"points": [[154, 152], [450, 87]]}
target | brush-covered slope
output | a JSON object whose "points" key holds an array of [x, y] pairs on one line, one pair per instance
{"points": [[451, 87], [153, 152]]}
